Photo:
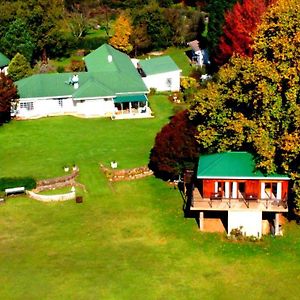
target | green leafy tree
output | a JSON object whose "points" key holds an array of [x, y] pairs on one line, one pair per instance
{"points": [[254, 105], [140, 38], [8, 94], [18, 39], [19, 67], [158, 28]]}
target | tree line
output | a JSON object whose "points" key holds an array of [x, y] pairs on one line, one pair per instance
{"points": [[252, 105]]}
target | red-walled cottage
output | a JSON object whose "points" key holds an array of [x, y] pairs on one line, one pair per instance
{"points": [[230, 184]]}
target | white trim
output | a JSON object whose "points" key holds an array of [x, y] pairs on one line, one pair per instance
{"points": [[94, 98], [46, 98]]}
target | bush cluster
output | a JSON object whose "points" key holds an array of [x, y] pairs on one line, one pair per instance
{"points": [[12, 182]]}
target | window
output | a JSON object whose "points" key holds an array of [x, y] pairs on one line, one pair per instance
{"points": [[60, 102], [169, 82], [271, 190], [26, 105]]}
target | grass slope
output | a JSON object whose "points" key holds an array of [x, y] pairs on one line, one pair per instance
{"points": [[127, 240]]}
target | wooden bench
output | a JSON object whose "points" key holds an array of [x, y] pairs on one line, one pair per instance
{"points": [[16, 190]]}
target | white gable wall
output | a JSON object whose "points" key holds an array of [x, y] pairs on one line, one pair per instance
{"points": [[251, 222], [169, 81]]}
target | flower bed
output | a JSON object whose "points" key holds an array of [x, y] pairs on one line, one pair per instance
{"points": [[126, 174]]}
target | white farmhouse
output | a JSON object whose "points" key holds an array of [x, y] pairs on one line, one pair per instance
{"points": [[111, 87]]}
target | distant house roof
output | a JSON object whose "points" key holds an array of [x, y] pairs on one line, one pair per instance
{"points": [[158, 65], [232, 165], [4, 61], [105, 77]]}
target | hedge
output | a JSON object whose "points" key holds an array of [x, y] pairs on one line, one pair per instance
{"points": [[12, 182]]}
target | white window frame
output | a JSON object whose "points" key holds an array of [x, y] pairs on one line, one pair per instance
{"points": [[26, 105]]}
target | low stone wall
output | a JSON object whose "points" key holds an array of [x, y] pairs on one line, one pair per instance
{"points": [[57, 182], [52, 198], [57, 179], [126, 174]]}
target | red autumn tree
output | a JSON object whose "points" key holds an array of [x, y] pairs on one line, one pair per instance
{"points": [[8, 93], [175, 148], [240, 23]]}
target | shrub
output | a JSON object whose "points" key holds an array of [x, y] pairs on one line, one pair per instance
{"points": [[91, 43], [175, 148], [11, 182], [60, 69], [77, 65], [152, 92]]}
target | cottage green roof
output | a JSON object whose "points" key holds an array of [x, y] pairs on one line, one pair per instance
{"points": [[231, 165], [115, 77], [158, 65], [4, 61]]}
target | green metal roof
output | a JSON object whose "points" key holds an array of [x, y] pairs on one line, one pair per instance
{"points": [[118, 76], [231, 165], [158, 65], [4, 61], [130, 98]]}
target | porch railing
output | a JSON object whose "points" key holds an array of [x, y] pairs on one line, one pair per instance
{"points": [[245, 200]]}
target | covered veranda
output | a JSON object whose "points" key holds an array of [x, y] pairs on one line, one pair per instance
{"points": [[131, 106]]}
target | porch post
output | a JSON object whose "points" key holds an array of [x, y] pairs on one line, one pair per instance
{"points": [[216, 186], [201, 220], [227, 192], [279, 188], [234, 190], [130, 107], [262, 191], [122, 108], [276, 224]]}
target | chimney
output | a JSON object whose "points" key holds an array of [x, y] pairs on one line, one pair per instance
{"points": [[75, 81], [109, 58]]}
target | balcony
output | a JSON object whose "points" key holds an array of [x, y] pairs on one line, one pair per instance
{"points": [[245, 202]]}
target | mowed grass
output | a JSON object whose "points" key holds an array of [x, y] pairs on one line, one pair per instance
{"points": [[127, 240]]}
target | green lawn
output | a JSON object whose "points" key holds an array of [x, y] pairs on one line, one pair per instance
{"points": [[180, 58], [127, 240]]}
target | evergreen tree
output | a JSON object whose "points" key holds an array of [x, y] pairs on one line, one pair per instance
{"points": [[18, 39], [19, 67]]}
